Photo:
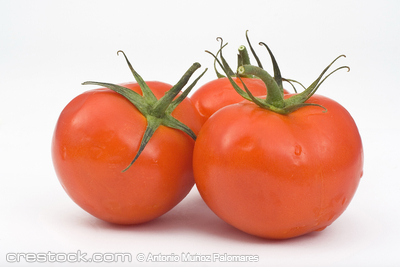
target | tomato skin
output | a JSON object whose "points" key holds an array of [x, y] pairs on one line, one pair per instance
{"points": [[279, 176], [96, 137], [219, 93]]}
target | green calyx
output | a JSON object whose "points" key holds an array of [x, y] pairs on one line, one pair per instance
{"points": [[274, 100], [243, 58], [156, 111]]}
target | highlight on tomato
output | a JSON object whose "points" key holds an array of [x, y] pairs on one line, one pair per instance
{"points": [[279, 166], [123, 153], [219, 93]]}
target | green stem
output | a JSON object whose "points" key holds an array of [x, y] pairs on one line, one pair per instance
{"points": [[185, 93], [253, 52], [219, 75], [161, 106], [225, 64], [152, 125], [137, 100], [274, 92], [171, 122], [235, 86], [147, 93], [244, 55], [274, 100], [156, 112], [307, 93], [277, 72]]}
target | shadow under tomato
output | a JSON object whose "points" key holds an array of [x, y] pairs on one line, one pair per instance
{"points": [[192, 215]]}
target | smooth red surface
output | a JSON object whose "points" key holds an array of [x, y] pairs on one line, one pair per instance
{"points": [[97, 136], [279, 176], [219, 93]]}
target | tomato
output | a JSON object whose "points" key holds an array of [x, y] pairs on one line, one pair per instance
{"points": [[96, 137], [277, 175], [219, 93]]}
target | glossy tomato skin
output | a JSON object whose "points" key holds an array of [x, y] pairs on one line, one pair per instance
{"points": [[96, 137], [279, 176], [219, 93]]}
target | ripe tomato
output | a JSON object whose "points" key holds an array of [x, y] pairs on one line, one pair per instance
{"points": [[98, 134], [219, 93], [279, 176], [279, 166]]}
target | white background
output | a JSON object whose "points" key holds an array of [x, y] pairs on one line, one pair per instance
{"points": [[48, 48]]}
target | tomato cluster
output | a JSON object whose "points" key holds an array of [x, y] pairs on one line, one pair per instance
{"points": [[270, 163]]}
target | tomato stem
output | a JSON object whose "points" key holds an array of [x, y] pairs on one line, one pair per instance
{"points": [[147, 93], [275, 101], [162, 104], [219, 75], [274, 93], [235, 86], [226, 67], [152, 125], [277, 72], [244, 58], [156, 111], [308, 92], [252, 50]]}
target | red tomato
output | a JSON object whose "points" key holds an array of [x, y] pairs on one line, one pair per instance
{"points": [[279, 176], [219, 93], [97, 136]]}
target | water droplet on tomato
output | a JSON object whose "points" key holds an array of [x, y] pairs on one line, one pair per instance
{"points": [[297, 150]]}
